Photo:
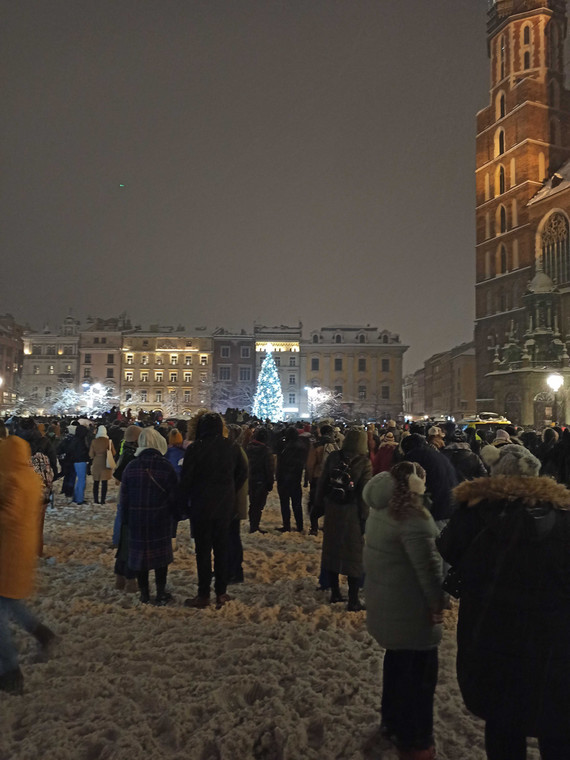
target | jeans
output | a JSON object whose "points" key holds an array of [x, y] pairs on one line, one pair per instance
{"points": [[117, 526], [291, 490], [211, 534], [79, 489], [410, 678], [504, 744], [17, 611]]}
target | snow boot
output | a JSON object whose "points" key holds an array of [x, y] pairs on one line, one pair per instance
{"points": [[131, 586], [45, 637], [120, 582], [198, 602]]}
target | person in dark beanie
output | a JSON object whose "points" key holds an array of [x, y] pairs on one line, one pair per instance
{"points": [[261, 476], [213, 471], [509, 543], [440, 476], [291, 461]]}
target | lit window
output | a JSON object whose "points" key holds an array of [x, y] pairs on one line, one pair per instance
{"points": [[144, 396], [188, 377], [204, 360], [129, 375], [187, 397], [158, 396], [144, 359], [173, 377], [188, 361], [36, 369], [173, 359], [144, 376], [130, 359], [158, 376]]}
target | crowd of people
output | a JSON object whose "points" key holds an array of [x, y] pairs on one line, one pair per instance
{"points": [[414, 515]]}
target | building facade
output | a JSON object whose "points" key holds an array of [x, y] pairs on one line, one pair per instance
{"points": [[233, 369], [100, 345], [449, 383], [51, 362], [361, 366], [523, 197], [165, 370], [285, 343], [11, 359]]}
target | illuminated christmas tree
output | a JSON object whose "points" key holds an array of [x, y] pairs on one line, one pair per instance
{"points": [[268, 401]]}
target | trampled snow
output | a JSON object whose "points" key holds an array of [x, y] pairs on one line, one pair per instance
{"points": [[277, 674]]}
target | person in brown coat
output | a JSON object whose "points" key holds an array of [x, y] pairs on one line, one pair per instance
{"points": [[100, 445], [20, 515]]}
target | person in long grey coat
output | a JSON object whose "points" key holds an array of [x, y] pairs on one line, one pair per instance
{"points": [[344, 522], [404, 603]]}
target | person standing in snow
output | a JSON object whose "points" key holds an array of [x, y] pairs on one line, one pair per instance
{"points": [[148, 484], [20, 518], [261, 476], [316, 459], [291, 460], [98, 449], [509, 543]]}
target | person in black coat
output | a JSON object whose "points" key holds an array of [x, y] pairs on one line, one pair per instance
{"points": [[440, 476], [213, 471], [291, 461], [466, 464], [509, 541], [261, 476], [79, 455]]}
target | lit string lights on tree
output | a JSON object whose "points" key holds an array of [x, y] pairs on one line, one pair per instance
{"points": [[268, 401]]}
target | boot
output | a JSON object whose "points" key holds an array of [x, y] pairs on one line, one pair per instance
{"points": [[120, 582], [45, 637], [145, 596], [417, 754], [12, 682], [96, 492], [131, 586], [104, 485]]}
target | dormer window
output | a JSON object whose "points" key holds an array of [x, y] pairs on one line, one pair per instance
{"points": [[315, 338], [362, 339]]}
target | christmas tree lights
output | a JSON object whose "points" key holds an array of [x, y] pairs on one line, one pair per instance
{"points": [[268, 401]]}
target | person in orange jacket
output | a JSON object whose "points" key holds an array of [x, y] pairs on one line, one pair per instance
{"points": [[20, 518]]}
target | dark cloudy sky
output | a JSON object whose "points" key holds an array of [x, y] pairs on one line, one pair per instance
{"points": [[282, 160]]}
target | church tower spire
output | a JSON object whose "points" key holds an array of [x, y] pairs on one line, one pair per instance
{"points": [[522, 139]]}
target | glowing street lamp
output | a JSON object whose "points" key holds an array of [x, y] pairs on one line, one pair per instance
{"points": [[555, 382]]}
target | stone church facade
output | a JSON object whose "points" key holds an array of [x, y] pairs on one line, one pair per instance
{"points": [[522, 326]]}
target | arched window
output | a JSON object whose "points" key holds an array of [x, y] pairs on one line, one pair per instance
{"points": [[500, 106], [315, 338], [526, 35], [338, 339], [499, 142], [502, 57], [555, 249], [527, 61], [500, 220], [501, 179], [503, 258], [361, 339]]}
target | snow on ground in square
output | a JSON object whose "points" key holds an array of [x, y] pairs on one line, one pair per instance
{"points": [[277, 674]]}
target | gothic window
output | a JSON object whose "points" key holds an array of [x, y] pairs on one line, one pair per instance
{"points": [[526, 35], [503, 259], [502, 57], [500, 220], [501, 185], [555, 249], [338, 339], [526, 61], [499, 142], [500, 106]]}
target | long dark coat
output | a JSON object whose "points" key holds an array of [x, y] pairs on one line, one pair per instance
{"points": [[147, 485], [343, 531], [510, 541]]}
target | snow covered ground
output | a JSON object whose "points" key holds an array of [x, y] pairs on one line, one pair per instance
{"points": [[278, 674]]}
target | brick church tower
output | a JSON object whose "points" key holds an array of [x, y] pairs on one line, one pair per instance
{"points": [[523, 141]]}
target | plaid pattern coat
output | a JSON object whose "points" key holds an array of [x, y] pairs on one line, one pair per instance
{"points": [[147, 485]]}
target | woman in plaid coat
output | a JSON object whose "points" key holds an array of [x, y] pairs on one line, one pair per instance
{"points": [[146, 489]]}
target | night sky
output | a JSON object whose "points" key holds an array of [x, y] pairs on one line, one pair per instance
{"points": [[217, 162]]}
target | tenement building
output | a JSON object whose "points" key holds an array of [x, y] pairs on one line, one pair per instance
{"points": [[166, 369], [361, 366], [523, 210], [11, 357]]}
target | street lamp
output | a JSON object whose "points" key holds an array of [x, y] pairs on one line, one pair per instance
{"points": [[555, 382]]}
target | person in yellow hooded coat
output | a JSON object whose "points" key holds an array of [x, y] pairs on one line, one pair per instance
{"points": [[20, 517]]}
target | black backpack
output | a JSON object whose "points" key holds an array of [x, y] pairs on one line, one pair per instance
{"points": [[341, 485]]}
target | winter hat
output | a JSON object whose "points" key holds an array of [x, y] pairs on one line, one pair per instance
{"points": [[502, 437], [490, 454], [101, 432], [151, 439], [71, 429], [391, 423], [378, 491], [175, 438], [516, 460], [389, 439], [132, 433], [435, 430]]}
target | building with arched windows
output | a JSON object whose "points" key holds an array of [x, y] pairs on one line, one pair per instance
{"points": [[523, 211]]}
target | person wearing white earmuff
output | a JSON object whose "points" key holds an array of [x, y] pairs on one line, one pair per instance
{"points": [[404, 602]]}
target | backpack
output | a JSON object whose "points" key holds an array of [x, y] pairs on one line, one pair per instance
{"points": [[341, 485], [41, 465]]}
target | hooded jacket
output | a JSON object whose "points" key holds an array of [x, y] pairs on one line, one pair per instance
{"points": [[509, 539], [20, 516]]}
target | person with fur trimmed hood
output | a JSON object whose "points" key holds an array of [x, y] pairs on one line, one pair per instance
{"points": [[509, 543]]}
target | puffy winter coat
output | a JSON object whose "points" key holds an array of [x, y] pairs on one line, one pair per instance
{"points": [[20, 518], [466, 464], [261, 469], [403, 575], [440, 479], [510, 541]]}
